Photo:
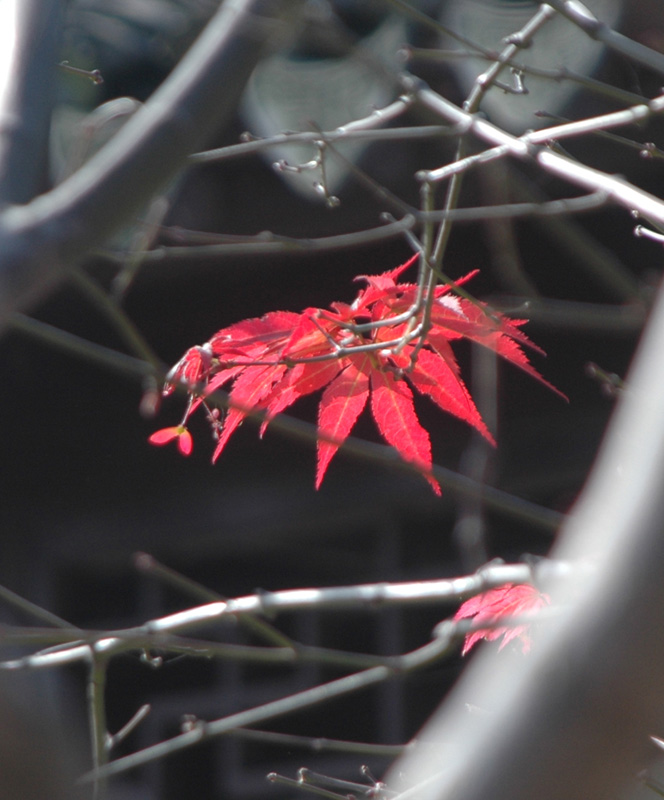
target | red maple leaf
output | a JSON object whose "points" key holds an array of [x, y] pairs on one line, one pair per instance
{"points": [[511, 600], [355, 353]]}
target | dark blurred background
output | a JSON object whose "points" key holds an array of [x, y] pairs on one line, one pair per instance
{"points": [[83, 491]]}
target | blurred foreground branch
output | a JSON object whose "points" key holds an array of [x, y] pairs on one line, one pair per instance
{"points": [[573, 721], [41, 241]]}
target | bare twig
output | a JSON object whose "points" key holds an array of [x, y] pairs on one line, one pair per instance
{"points": [[93, 75], [599, 124], [317, 791], [324, 692], [319, 744], [357, 129], [558, 75], [83, 348], [267, 243], [107, 306], [644, 149], [31, 609], [495, 499], [97, 671], [569, 315], [330, 787], [210, 245], [368, 597], [617, 189], [112, 740], [149, 565]]}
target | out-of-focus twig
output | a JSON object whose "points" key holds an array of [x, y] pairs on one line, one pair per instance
{"points": [[583, 17], [213, 245], [324, 692], [543, 518], [319, 744]]}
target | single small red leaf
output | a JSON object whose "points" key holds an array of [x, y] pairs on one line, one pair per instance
{"points": [[506, 601], [340, 406], [175, 433], [393, 409]]}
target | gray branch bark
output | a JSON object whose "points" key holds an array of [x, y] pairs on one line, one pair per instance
{"points": [[41, 241], [26, 96], [573, 720]]}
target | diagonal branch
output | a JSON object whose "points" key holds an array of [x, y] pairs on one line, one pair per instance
{"points": [[40, 242], [617, 189], [322, 693], [583, 17]]}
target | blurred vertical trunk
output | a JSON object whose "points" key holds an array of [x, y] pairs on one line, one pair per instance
{"points": [[573, 719]]}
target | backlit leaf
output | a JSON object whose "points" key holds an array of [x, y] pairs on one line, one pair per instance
{"points": [[511, 600], [394, 412], [353, 352], [340, 406]]}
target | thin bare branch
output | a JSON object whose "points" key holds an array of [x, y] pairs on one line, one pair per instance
{"points": [[599, 124], [267, 243], [356, 129], [154, 633], [558, 75], [495, 499], [112, 740], [77, 346], [149, 565], [319, 744], [617, 189], [568, 315], [31, 609], [324, 692], [644, 149]]}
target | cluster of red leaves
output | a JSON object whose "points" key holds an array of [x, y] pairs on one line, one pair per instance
{"points": [[511, 600], [356, 355]]}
